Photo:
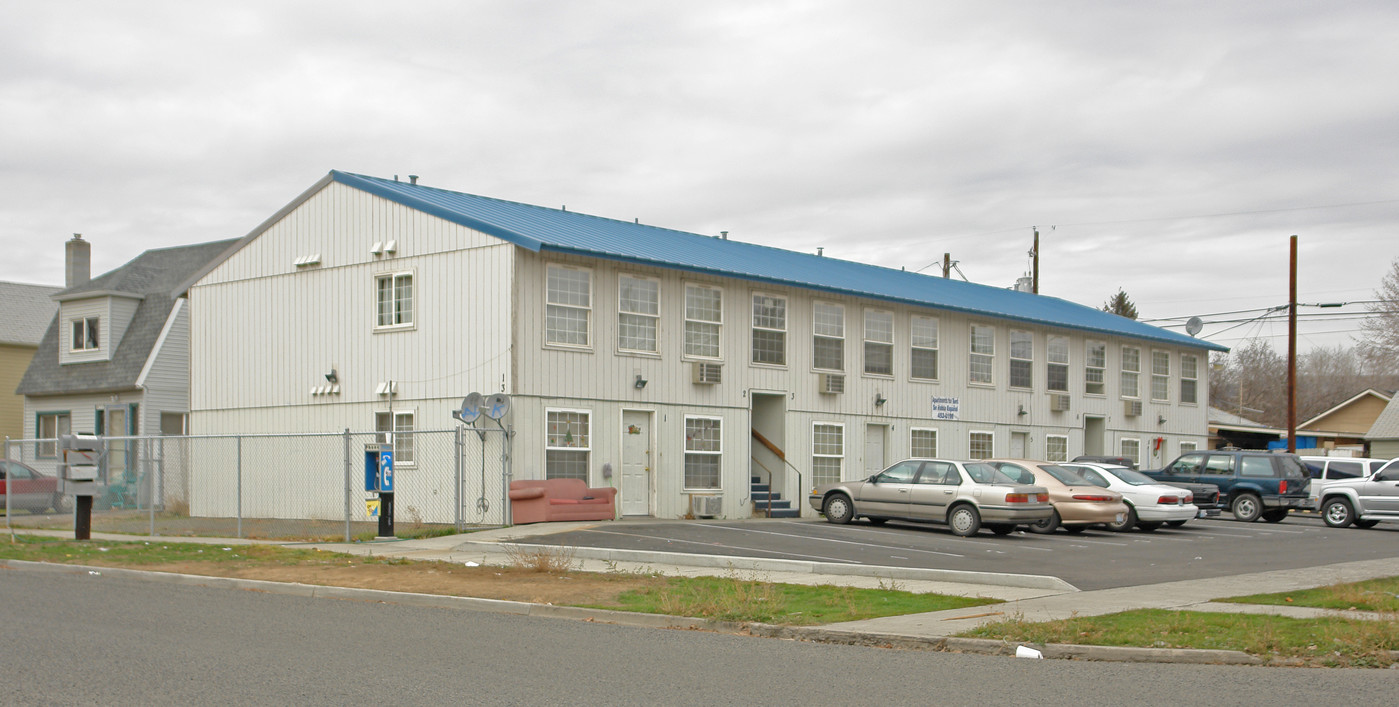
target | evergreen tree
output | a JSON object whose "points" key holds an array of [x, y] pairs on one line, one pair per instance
{"points": [[1121, 305]]}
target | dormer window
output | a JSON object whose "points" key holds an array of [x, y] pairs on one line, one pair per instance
{"points": [[85, 334]]}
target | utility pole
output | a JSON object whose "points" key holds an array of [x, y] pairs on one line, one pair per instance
{"points": [[1292, 353], [946, 265], [1035, 268]]}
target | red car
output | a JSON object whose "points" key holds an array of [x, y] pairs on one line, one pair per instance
{"points": [[30, 489]]}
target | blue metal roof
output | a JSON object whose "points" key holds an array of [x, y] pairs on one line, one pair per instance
{"points": [[555, 230]]}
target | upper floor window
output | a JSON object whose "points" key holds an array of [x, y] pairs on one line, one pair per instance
{"points": [[828, 336], [638, 311], [568, 312], [395, 300], [1131, 371], [1189, 378], [879, 342], [396, 428], [704, 313], [1022, 359], [923, 333], [1160, 375], [770, 329], [983, 353], [1057, 375], [85, 334], [1095, 363]]}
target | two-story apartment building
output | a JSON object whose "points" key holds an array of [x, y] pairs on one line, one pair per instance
{"points": [[664, 363]]}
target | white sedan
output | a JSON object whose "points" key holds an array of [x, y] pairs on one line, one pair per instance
{"points": [[1150, 504]]}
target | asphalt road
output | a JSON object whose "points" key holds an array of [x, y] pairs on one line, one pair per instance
{"points": [[82, 639], [1094, 559]]}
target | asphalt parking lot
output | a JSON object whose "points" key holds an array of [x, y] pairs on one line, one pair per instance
{"points": [[1095, 559]]}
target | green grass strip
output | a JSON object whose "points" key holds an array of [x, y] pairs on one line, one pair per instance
{"points": [[1370, 595]]}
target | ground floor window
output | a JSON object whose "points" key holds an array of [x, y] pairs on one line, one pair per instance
{"points": [[566, 444], [1132, 449], [1056, 448], [827, 453], [1188, 447], [703, 452], [396, 428], [980, 445], [50, 426], [923, 443]]}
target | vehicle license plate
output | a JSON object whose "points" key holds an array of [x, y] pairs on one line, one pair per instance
{"points": [[1121, 517]]}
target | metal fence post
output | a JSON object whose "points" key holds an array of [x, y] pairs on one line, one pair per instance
{"points": [[150, 484], [240, 485], [348, 485], [507, 440], [456, 464]]}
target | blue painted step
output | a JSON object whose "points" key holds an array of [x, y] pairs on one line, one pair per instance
{"points": [[769, 504]]}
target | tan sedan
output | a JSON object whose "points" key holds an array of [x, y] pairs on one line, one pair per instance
{"points": [[1077, 503]]}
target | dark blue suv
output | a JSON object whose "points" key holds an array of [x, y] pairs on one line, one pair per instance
{"points": [[1254, 484]]}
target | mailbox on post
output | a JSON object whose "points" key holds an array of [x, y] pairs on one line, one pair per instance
{"points": [[82, 474], [378, 478]]}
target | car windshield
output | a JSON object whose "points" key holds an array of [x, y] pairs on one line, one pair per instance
{"points": [[987, 474], [1135, 478], [1065, 476]]}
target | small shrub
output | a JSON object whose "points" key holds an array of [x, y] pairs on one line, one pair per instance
{"points": [[546, 559]]}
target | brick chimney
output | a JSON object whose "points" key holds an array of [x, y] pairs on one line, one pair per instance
{"points": [[79, 261]]}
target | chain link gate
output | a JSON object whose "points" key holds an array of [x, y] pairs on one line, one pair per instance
{"points": [[483, 476]]}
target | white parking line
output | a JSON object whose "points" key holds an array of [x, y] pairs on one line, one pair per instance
{"points": [[1079, 539], [892, 531], [843, 542], [731, 547]]}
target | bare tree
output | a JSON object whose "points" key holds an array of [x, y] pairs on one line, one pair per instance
{"points": [[1252, 383], [1380, 344]]}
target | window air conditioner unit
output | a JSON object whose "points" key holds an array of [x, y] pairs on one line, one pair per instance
{"points": [[1058, 402], [832, 383], [1132, 408], [706, 506], [705, 372]]}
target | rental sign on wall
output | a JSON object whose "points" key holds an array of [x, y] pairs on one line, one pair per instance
{"points": [[945, 408]]}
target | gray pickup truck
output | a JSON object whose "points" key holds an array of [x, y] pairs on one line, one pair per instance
{"points": [[1364, 501], [1253, 484]]}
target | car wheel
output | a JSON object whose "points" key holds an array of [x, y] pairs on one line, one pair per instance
{"points": [[964, 520], [839, 510], [1148, 527], [1046, 526], [62, 503], [1129, 519], [1246, 507], [1002, 529], [1337, 513], [1175, 523], [1275, 516], [877, 521], [1366, 523]]}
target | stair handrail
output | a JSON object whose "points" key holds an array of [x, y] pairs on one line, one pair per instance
{"points": [[769, 471], [783, 456]]}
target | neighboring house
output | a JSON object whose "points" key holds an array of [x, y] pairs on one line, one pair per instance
{"points": [[1231, 431], [28, 311], [1344, 425], [651, 359], [1383, 436], [115, 358]]}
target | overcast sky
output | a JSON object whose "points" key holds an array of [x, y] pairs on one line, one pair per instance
{"points": [[1166, 148]]}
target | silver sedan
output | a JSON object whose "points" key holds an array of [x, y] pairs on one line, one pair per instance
{"points": [[964, 495]]}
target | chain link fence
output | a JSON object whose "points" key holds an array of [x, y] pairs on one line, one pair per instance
{"points": [[284, 486]]}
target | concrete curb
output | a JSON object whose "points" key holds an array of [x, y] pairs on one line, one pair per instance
{"points": [[815, 634], [758, 564]]}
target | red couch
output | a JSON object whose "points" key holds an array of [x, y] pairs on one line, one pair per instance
{"points": [[560, 499]]}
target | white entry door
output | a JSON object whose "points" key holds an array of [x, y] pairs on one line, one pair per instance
{"points": [[636, 463], [1018, 444], [874, 449]]}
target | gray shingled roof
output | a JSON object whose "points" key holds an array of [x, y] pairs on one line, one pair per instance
{"points": [[1387, 424], [155, 275], [28, 309]]}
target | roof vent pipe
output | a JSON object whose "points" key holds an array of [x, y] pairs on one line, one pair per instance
{"points": [[820, 252], [79, 261], [724, 235], [413, 179]]}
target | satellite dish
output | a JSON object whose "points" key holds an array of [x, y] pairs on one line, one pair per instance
{"points": [[1194, 325], [497, 405], [471, 408]]}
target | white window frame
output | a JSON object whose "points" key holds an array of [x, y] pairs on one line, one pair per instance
{"points": [[62, 425], [986, 357], [85, 334], [1132, 391], [1049, 441], [644, 319], [1025, 340], [556, 337], [1188, 447], [1090, 369], [400, 436], [919, 341], [780, 333], [913, 444], [398, 315], [1122, 450], [717, 454], [1160, 382], [697, 326], [831, 331], [1193, 379], [990, 444], [816, 455], [1057, 358], [586, 448], [874, 343]]}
